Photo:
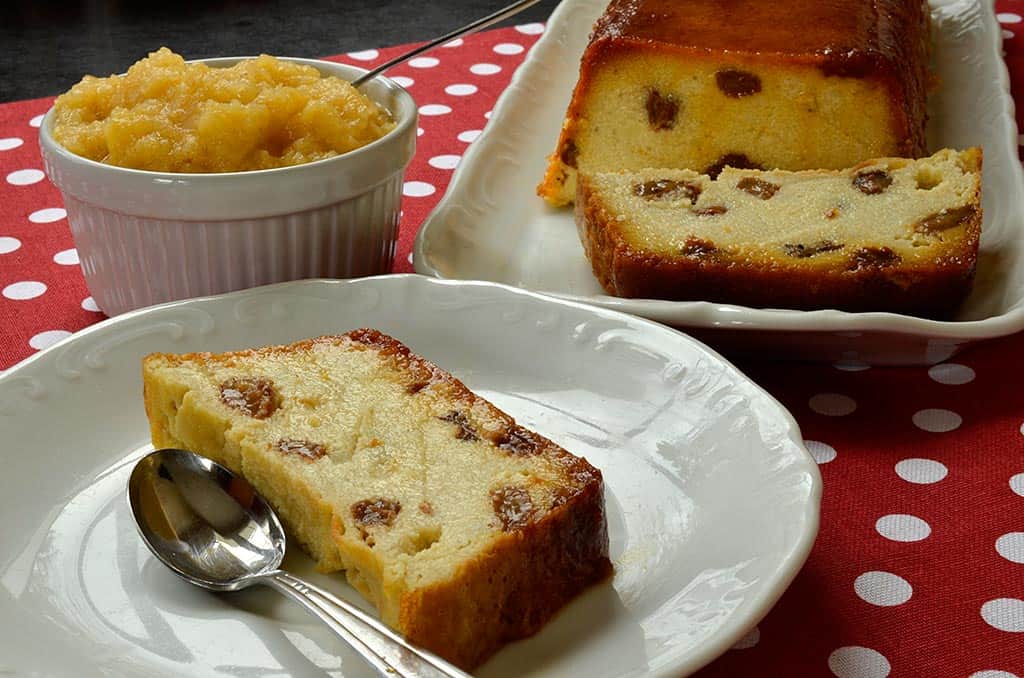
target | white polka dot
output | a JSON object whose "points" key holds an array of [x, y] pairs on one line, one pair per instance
{"points": [[921, 471], [66, 258], [27, 289], [25, 177], [531, 29], [403, 81], [858, 662], [417, 189], [435, 109], [484, 69], [8, 244], [951, 373], [89, 304], [990, 673], [1007, 34], [460, 90], [509, 48], [488, 115], [47, 215], [8, 143], [832, 404], [851, 365], [1005, 614], [419, 131], [1017, 484], [883, 588], [424, 62], [902, 527], [1008, 18], [937, 420], [457, 42], [821, 452], [47, 338], [749, 639], [409, 258], [37, 120], [445, 162], [1011, 546], [469, 136], [364, 55]]}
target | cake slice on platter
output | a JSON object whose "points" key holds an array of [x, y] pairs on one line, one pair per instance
{"points": [[890, 234]]}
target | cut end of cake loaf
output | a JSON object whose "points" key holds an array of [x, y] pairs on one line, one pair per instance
{"points": [[808, 85], [465, 529], [890, 234]]}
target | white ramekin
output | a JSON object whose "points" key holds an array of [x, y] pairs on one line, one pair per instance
{"points": [[148, 237]]}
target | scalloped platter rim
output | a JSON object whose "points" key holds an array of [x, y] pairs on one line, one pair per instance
{"points": [[711, 495]]}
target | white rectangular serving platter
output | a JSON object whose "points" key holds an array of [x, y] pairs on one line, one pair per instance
{"points": [[491, 225]]}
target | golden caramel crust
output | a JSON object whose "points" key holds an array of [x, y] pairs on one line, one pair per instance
{"points": [[839, 30], [929, 288]]}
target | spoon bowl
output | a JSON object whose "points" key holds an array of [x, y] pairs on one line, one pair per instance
{"points": [[211, 528], [204, 522]]}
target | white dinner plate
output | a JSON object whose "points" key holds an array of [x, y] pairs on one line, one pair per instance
{"points": [[712, 500], [491, 225]]}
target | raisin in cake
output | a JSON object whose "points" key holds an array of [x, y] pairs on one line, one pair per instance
{"points": [[890, 234], [465, 529], [702, 84]]}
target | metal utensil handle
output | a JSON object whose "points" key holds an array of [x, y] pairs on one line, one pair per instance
{"points": [[390, 648], [337, 623], [477, 25]]}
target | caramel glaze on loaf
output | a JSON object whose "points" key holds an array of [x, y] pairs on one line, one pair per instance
{"points": [[466, 530], [803, 84], [890, 234]]}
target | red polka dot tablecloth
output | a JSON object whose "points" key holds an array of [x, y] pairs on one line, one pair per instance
{"points": [[919, 566]]}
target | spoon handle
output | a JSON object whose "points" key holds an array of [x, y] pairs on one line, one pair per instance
{"points": [[385, 650], [348, 634], [477, 25]]}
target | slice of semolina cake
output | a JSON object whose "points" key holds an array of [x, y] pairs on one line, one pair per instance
{"points": [[465, 529]]}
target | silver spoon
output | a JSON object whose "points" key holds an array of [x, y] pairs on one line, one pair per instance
{"points": [[212, 529], [479, 24]]}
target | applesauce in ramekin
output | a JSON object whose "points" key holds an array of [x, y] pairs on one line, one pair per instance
{"points": [[169, 115]]}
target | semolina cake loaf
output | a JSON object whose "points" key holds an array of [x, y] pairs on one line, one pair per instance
{"points": [[702, 84], [891, 234], [464, 529]]}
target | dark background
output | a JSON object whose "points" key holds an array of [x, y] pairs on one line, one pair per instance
{"points": [[45, 46]]}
